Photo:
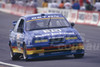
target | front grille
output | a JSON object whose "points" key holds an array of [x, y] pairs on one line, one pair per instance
{"points": [[56, 40]]}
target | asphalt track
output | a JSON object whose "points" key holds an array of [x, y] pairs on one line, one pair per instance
{"points": [[90, 35]]}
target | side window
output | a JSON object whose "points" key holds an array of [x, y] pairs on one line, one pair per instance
{"points": [[19, 25]]}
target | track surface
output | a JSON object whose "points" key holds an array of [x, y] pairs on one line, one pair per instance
{"points": [[90, 34]]}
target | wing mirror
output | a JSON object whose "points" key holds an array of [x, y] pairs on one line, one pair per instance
{"points": [[72, 24], [14, 23]]}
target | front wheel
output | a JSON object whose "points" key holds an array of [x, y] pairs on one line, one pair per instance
{"points": [[78, 55], [14, 56], [24, 52]]}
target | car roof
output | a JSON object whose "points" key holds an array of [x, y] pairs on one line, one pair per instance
{"points": [[41, 14]]}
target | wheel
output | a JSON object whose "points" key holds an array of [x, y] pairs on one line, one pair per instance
{"points": [[78, 55], [24, 52], [14, 56]]}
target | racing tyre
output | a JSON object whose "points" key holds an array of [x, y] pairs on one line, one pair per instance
{"points": [[24, 52], [14, 56], [78, 55]]}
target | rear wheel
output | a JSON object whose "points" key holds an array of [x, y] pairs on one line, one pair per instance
{"points": [[78, 55], [14, 56]]}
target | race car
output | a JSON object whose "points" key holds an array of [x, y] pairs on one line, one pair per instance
{"points": [[44, 35]]}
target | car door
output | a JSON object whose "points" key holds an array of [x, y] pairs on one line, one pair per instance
{"points": [[17, 34]]}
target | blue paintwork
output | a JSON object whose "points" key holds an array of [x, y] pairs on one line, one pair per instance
{"points": [[30, 36]]}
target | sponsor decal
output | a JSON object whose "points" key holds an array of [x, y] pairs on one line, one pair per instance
{"points": [[52, 34], [68, 38], [39, 41], [52, 30], [45, 18], [49, 16]]}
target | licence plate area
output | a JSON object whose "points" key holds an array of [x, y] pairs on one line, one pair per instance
{"points": [[56, 47]]}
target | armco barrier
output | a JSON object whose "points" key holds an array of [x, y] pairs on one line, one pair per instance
{"points": [[21, 10], [99, 21], [18, 10], [0, 5], [6, 8], [80, 17], [14, 9], [95, 18], [88, 17], [73, 15], [30, 10], [3, 5]]}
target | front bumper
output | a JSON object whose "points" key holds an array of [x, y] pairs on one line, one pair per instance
{"points": [[33, 52], [53, 51], [59, 53]]}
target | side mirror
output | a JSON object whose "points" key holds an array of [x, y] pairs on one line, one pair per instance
{"points": [[14, 23], [20, 29], [72, 24]]}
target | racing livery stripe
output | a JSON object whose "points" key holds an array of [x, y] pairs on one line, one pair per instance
{"points": [[30, 51], [46, 18]]}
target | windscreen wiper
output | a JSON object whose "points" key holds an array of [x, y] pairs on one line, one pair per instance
{"points": [[49, 22]]}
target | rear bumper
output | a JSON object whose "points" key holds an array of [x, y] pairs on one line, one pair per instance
{"points": [[50, 54]]}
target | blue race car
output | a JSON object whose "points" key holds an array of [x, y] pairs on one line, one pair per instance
{"points": [[44, 35]]}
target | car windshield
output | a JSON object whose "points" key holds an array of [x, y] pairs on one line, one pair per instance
{"points": [[45, 23]]}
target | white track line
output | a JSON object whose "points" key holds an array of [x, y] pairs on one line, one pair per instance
{"points": [[8, 64]]}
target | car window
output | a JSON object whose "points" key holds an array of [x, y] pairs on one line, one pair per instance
{"points": [[46, 23], [57, 23], [20, 24]]}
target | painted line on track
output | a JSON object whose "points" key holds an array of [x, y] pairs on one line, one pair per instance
{"points": [[8, 64]]}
